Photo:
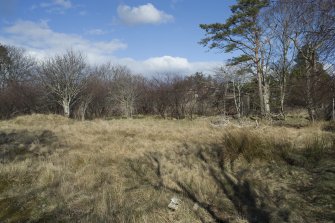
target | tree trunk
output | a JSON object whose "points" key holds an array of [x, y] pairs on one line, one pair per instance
{"points": [[83, 108], [248, 107], [225, 98], [283, 81], [259, 76], [260, 91], [333, 110], [309, 74], [266, 98], [310, 107], [282, 94], [285, 42], [66, 107], [263, 86], [85, 101], [131, 108], [237, 99]]}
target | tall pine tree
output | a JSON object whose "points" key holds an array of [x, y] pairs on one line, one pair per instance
{"points": [[242, 32]]}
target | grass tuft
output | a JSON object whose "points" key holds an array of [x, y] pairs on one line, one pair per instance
{"points": [[248, 144]]}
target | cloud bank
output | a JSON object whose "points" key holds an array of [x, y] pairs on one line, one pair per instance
{"points": [[143, 14], [41, 42]]}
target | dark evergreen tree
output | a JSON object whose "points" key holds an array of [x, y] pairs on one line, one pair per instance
{"points": [[317, 94], [242, 32]]}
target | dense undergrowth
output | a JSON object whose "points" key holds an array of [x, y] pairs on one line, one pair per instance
{"points": [[54, 169]]}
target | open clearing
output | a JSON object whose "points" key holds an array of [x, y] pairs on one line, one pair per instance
{"points": [[54, 169]]}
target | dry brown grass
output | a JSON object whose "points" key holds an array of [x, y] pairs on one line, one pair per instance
{"points": [[57, 169]]}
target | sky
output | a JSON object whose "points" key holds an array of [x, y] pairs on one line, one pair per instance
{"points": [[149, 37]]}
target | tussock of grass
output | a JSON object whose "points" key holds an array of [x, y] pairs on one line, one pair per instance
{"points": [[248, 144], [293, 123], [128, 170], [329, 126]]}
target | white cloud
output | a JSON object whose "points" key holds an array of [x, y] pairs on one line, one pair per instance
{"points": [[143, 14], [96, 32], [55, 6], [64, 3], [174, 3], [60, 3], [41, 41], [168, 64], [165, 63]]}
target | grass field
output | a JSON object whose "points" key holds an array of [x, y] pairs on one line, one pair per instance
{"points": [[54, 169]]}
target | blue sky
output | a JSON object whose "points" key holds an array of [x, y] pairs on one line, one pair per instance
{"points": [[147, 36]]}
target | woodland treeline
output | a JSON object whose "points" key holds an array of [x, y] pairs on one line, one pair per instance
{"points": [[285, 60]]}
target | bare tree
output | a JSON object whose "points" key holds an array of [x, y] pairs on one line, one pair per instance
{"points": [[174, 95], [241, 77], [5, 62], [100, 86], [278, 20], [201, 94], [181, 95], [64, 76], [124, 90], [161, 90], [223, 74], [234, 79], [18, 91], [15, 66], [314, 38], [85, 98]]}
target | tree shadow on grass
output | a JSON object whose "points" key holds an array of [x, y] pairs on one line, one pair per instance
{"points": [[148, 171], [23, 144], [28, 207], [241, 194], [21, 198], [266, 185]]}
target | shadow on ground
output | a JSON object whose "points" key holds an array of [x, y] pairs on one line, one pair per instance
{"points": [[20, 199], [270, 191], [20, 145]]}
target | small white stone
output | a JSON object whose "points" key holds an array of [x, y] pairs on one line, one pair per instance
{"points": [[195, 206], [174, 203]]}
